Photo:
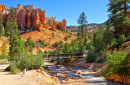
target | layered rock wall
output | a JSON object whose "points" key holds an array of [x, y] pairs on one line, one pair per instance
{"points": [[56, 24], [28, 16]]}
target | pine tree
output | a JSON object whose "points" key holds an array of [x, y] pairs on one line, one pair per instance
{"points": [[17, 48], [83, 24], [11, 23], [118, 16], [1, 25]]}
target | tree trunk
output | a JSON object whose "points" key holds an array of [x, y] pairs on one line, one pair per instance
{"points": [[125, 11], [82, 32]]}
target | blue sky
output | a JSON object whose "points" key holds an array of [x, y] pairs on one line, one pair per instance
{"points": [[96, 10]]}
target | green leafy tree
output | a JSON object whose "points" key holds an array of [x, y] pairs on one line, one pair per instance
{"points": [[118, 16], [1, 25], [83, 24]]}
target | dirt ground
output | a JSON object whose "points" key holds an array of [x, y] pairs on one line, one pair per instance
{"points": [[34, 78]]}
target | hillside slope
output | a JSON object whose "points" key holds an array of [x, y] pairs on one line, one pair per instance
{"points": [[48, 35]]}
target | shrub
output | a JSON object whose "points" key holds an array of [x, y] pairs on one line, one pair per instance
{"points": [[100, 60], [28, 62], [122, 39], [91, 57], [14, 70], [66, 38], [66, 60], [116, 45], [117, 62]]}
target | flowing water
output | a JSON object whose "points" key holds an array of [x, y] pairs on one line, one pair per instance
{"points": [[93, 79]]}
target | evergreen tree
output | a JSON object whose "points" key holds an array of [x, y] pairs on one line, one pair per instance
{"points": [[17, 48], [74, 45], [11, 23], [1, 25], [67, 48], [82, 47], [118, 14], [83, 24]]}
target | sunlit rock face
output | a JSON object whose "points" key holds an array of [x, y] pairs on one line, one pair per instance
{"points": [[28, 17]]}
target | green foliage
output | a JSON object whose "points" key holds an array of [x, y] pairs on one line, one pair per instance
{"points": [[116, 45], [118, 14], [105, 73], [40, 53], [91, 57], [17, 48], [30, 43], [66, 60], [11, 23], [58, 44], [1, 25], [67, 48], [100, 60], [4, 51], [117, 62], [122, 39], [66, 38], [53, 60], [27, 61], [108, 37], [41, 42], [14, 70], [82, 47], [83, 24], [74, 45]]}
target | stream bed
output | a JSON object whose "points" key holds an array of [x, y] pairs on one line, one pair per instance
{"points": [[93, 79]]}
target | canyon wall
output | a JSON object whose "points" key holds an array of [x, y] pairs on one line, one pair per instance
{"points": [[56, 24], [28, 17]]}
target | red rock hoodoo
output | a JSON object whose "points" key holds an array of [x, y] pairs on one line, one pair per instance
{"points": [[28, 16]]}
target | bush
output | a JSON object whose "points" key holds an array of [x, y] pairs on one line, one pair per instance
{"points": [[28, 62], [122, 39], [66, 60], [100, 60], [117, 62], [66, 38], [116, 45], [91, 57], [14, 70]]}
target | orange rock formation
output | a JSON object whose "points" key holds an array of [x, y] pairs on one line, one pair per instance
{"points": [[28, 16], [2, 7]]}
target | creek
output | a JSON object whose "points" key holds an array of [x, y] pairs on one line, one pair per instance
{"points": [[93, 79]]}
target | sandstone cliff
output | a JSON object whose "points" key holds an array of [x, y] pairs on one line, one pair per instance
{"points": [[28, 16]]}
